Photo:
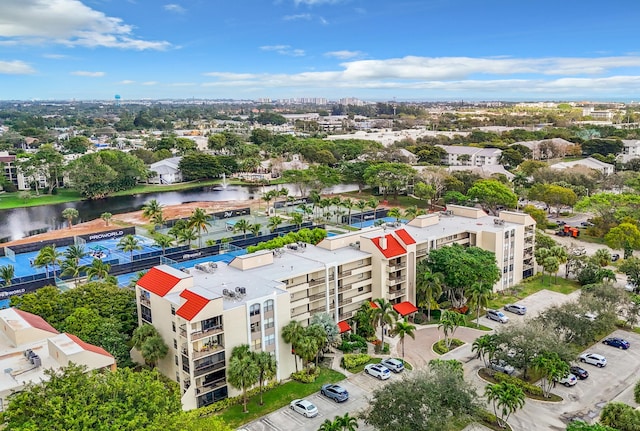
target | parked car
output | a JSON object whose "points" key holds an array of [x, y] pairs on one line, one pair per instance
{"points": [[515, 308], [568, 380], [586, 224], [304, 407], [497, 315], [590, 317], [620, 343], [502, 366], [593, 359], [393, 364], [615, 257], [579, 372], [377, 370], [336, 392], [561, 223]]}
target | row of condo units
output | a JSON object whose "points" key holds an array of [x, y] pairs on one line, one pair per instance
{"points": [[202, 312]]}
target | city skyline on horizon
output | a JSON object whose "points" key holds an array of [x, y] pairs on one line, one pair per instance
{"points": [[285, 49]]}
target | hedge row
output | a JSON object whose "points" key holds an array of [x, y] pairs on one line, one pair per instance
{"points": [[528, 388], [350, 361]]}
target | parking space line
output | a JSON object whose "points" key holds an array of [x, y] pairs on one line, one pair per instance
{"points": [[270, 424]]}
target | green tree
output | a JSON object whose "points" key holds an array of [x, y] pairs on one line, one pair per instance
{"points": [[383, 315], [255, 229], [187, 234], [583, 426], [486, 346], [491, 194], [242, 373], [106, 216], [70, 214], [389, 177], [200, 221], [243, 226], [347, 422], [7, 272], [149, 342], [631, 267], [75, 252], [48, 255], [72, 268], [554, 196], [162, 241], [552, 368], [428, 285], [129, 244], [151, 209], [425, 192], [274, 223], [99, 270], [546, 259], [506, 399], [620, 416], [402, 328], [267, 367], [478, 296], [297, 219], [292, 333], [450, 321], [395, 213], [625, 236]]}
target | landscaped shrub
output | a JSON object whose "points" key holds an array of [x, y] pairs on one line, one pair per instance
{"points": [[528, 388], [420, 318], [303, 235], [353, 342], [353, 360], [223, 404], [379, 348], [636, 392], [306, 376]]}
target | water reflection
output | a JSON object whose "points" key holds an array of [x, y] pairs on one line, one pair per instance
{"points": [[20, 222]]}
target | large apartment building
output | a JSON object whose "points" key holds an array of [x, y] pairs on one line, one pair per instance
{"points": [[202, 312]]}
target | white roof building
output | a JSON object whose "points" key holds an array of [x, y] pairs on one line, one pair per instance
{"points": [[167, 171], [589, 162], [459, 155], [630, 150]]}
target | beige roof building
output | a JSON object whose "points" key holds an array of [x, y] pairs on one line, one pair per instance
{"points": [[202, 312], [29, 345]]}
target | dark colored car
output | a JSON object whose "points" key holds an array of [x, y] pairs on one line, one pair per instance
{"points": [[617, 342], [579, 372], [336, 392]]}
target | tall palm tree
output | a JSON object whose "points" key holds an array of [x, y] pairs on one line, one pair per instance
{"points": [[163, 241], [200, 220], [413, 212], [486, 346], [362, 205], [70, 214], [72, 268], [373, 204], [330, 425], [274, 222], [151, 208], [75, 252], [297, 219], [178, 227], [7, 272], [106, 216], [506, 399], [129, 244], [187, 234], [314, 197], [450, 321], [478, 296], [242, 373], [560, 253], [267, 366], [48, 255], [243, 226], [283, 193], [347, 422], [429, 286], [323, 204], [268, 197], [348, 204], [396, 213], [403, 328], [255, 229], [383, 315], [292, 333], [98, 269]]}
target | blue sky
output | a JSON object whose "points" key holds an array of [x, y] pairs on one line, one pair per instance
{"points": [[368, 49]]}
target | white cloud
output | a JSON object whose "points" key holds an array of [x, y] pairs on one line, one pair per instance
{"points": [[55, 56], [66, 22], [344, 54], [284, 50], [15, 67], [150, 83], [126, 82], [88, 74], [300, 16], [176, 8]]}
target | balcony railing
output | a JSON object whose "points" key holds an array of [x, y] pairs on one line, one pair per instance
{"points": [[145, 301], [196, 335], [317, 296], [183, 332], [205, 351], [208, 387], [395, 293], [345, 287], [345, 315], [396, 267], [207, 368], [345, 273], [345, 301], [392, 281], [420, 253]]}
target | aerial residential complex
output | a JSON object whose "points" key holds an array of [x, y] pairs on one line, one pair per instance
{"points": [[204, 311]]}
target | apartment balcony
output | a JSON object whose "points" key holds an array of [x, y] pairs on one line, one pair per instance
{"points": [[319, 281], [196, 335], [394, 293], [206, 351], [208, 387], [345, 315], [345, 302], [145, 301], [345, 287], [183, 331], [420, 253], [395, 280], [396, 267], [345, 273], [207, 368], [317, 296]]}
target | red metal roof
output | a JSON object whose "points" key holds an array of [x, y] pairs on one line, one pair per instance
{"points": [[405, 237], [373, 304], [344, 326], [36, 321], [393, 249], [158, 282], [193, 305], [405, 308], [89, 347]]}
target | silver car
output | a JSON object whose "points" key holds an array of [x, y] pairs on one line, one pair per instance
{"points": [[497, 315], [502, 367], [516, 309]]}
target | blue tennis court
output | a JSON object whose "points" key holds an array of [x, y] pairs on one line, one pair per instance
{"points": [[369, 223]]}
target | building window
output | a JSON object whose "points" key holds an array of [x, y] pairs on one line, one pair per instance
{"points": [[254, 310], [176, 359], [270, 340], [256, 344], [255, 327], [175, 343], [268, 323], [173, 310], [146, 314], [173, 326], [178, 376], [268, 306]]}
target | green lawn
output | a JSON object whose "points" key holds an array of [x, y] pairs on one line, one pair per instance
{"points": [[522, 290], [277, 398]]}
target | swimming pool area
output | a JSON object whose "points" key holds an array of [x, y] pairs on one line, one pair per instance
{"points": [[369, 223]]}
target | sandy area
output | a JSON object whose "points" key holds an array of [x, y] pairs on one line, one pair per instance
{"points": [[134, 219]]}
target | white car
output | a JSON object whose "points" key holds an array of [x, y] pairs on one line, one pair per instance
{"points": [[568, 380], [377, 370], [515, 308], [304, 407], [593, 359]]}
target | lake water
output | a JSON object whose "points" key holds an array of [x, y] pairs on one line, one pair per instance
{"points": [[20, 222]]}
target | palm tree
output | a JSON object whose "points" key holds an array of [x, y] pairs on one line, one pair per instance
{"points": [[242, 373], [255, 229], [560, 253], [158, 219], [71, 267], [151, 208], [506, 398], [396, 213], [148, 341], [314, 197], [274, 222], [486, 346], [7, 272], [297, 219], [373, 204], [267, 366], [200, 220], [70, 214], [324, 204], [347, 422], [129, 244], [428, 284], [106, 216], [413, 212], [243, 226], [306, 210], [178, 227], [450, 321], [362, 205], [75, 252], [383, 315], [478, 296], [283, 192], [330, 425], [48, 255], [268, 197], [292, 333], [98, 269], [163, 241], [348, 204], [187, 234], [403, 328]]}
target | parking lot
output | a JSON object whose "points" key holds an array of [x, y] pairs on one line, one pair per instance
{"points": [[584, 400], [360, 387]]}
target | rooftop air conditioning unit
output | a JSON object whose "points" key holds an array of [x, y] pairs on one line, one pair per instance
{"points": [[498, 221]]}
